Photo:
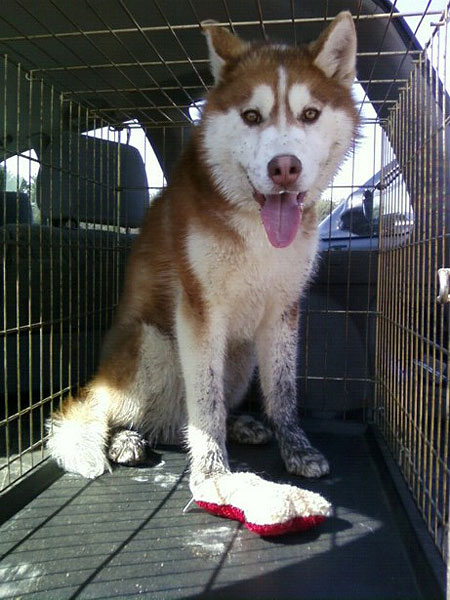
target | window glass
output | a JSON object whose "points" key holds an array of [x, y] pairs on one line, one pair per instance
{"points": [[195, 111], [134, 135], [18, 174], [350, 207]]}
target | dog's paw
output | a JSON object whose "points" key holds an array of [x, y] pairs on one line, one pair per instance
{"points": [[244, 429], [127, 447], [265, 507], [308, 462], [90, 466], [77, 447]]}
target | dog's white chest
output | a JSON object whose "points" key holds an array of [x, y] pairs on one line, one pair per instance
{"points": [[243, 284]]}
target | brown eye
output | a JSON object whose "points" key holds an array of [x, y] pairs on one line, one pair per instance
{"points": [[251, 117], [310, 115]]}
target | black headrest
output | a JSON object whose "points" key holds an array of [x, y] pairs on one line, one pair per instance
{"points": [[92, 180], [15, 207]]}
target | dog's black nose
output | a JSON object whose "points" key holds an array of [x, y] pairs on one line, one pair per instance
{"points": [[284, 169]]}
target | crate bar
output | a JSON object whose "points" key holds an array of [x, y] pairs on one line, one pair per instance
{"points": [[7, 475], [187, 26], [443, 472], [30, 39], [79, 259], [25, 445], [369, 313], [158, 54], [261, 20], [411, 410], [334, 378], [141, 66], [17, 282], [445, 342], [413, 430], [41, 275], [378, 53], [183, 49], [433, 157], [294, 30], [95, 46], [407, 51], [29, 282], [172, 88], [178, 62]]}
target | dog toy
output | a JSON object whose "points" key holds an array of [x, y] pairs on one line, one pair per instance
{"points": [[266, 508]]}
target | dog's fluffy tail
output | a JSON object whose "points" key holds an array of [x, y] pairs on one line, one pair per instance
{"points": [[78, 435]]}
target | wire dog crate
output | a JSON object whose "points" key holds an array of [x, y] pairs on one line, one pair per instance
{"points": [[98, 100], [412, 343]]}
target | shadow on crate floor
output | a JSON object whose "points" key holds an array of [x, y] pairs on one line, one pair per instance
{"points": [[125, 535]]}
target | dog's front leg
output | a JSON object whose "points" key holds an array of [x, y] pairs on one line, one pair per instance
{"points": [[201, 344], [277, 358], [267, 508]]}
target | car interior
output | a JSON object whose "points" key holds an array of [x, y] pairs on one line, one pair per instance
{"points": [[98, 102]]}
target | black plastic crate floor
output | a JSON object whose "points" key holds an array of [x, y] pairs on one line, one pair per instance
{"points": [[125, 535]]}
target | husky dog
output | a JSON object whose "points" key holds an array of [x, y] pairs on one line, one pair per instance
{"points": [[214, 279]]}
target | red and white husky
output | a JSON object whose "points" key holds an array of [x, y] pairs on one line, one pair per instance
{"points": [[214, 280]]}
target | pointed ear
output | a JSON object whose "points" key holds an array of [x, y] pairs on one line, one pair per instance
{"points": [[335, 50], [222, 46]]}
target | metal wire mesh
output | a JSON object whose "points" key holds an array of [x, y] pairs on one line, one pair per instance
{"points": [[69, 69], [412, 339], [60, 275]]}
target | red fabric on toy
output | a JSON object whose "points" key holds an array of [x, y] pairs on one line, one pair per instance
{"points": [[231, 512]]}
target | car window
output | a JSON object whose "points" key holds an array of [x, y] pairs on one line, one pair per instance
{"points": [[195, 111], [350, 207], [133, 134], [18, 175]]}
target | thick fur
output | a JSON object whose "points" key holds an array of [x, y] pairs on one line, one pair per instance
{"points": [[207, 296]]}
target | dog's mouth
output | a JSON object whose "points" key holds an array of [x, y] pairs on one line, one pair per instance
{"points": [[281, 216]]}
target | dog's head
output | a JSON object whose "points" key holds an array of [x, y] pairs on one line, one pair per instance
{"points": [[279, 121]]}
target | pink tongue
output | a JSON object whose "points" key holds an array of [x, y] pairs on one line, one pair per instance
{"points": [[281, 217]]}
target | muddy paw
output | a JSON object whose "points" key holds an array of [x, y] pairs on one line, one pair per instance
{"points": [[307, 463], [127, 448], [247, 430]]}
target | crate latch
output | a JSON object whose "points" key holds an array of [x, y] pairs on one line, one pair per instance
{"points": [[444, 286]]}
